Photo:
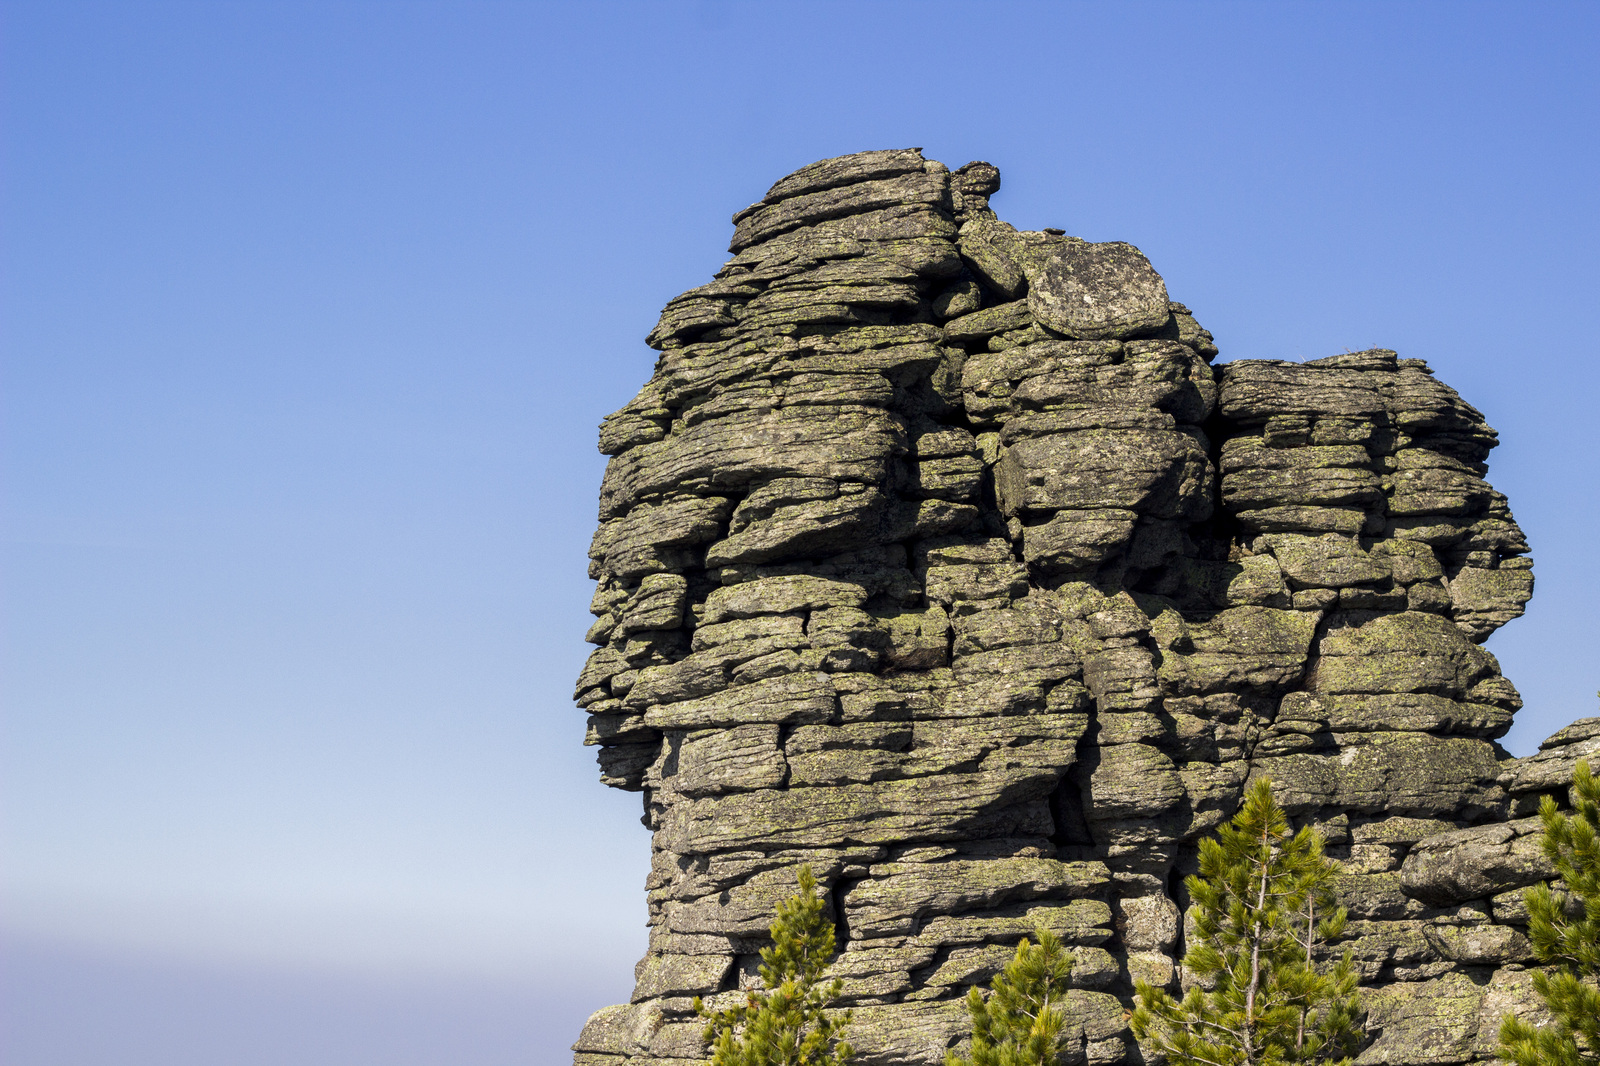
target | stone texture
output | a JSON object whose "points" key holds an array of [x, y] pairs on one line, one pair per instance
{"points": [[939, 556], [1094, 290]]}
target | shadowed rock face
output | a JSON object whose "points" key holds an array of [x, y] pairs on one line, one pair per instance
{"points": [[938, 556]]}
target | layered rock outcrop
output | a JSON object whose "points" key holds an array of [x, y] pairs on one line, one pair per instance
{"points": [[940, 557]]}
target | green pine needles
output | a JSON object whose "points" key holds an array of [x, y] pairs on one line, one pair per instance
{"points": [[1021, 1023], [1571, 944], [1262, 905], [784, 1023]]}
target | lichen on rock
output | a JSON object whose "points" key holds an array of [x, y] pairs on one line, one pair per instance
{"points": [[943, 558]]}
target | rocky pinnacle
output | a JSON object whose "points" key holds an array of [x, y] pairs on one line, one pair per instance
{"points": [[940, 557]]}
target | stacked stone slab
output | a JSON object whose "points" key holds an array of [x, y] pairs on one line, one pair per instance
{"points": [[938, 557]]}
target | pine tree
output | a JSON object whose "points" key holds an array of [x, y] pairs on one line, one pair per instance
{"points": [[1262, 903], [1570, 944], [784, 1023], [1020, 1023]]}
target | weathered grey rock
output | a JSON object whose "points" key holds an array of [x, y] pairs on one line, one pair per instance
{"points": [[680, 975], [1163, 474], [735, 759], [1256, 476], [846, 170], [789, 699], [620, 1030], [835, 202], [1093, 291], [1415, 711], [644, 541], [757, 446], [990, 249], [907, 1034], [1079, 921], [1423, 1023], [981, 325], [1484, 600], [1478, 945], [952, 807], [1404, 652], [781, 595], [937, 556], [1260, 648], [966, 966], [895, 897], [1475, 863], [1552, 766]]}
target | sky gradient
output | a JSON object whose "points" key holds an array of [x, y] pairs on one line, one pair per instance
{"points": [[309, 314]]}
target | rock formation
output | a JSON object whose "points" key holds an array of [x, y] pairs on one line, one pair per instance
{"points": [[938, 556]]}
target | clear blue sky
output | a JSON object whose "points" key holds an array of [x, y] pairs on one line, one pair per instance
{"points": [[310, 311]]}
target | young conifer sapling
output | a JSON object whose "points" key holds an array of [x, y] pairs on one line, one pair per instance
{"points": [[1564, 926], [1262, 906], [1022, 1021], [785, 1021]]}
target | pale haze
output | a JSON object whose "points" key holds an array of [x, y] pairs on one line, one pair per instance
{"points": [[310, 311]]}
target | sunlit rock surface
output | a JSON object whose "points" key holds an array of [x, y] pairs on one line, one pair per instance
{"points": [[941, 557]]}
